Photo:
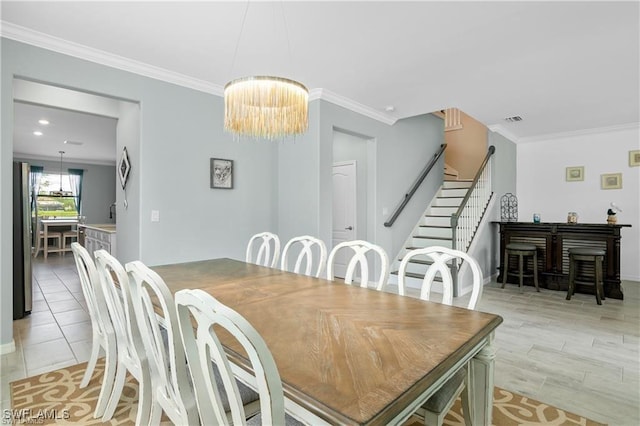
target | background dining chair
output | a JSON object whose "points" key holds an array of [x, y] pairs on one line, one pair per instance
{"points": [[359, 258], [203, 346], [436, 407], [39, 240], [70, 235], [131, 353], [102, 333], [306, 255], [266, 254]]}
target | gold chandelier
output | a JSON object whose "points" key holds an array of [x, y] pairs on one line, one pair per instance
{"points": [[265, 107]]}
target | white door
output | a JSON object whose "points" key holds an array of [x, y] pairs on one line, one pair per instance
{"points": [[344, 211]]}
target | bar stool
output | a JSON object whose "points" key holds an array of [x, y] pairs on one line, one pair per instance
{"points": [[521, 250], [586, 255]]}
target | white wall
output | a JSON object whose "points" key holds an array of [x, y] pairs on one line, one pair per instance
{"points": [[542, 187]]}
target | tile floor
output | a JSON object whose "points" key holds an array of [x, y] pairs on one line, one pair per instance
{"points": [[573, 354]]}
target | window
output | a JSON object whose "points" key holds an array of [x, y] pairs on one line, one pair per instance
{"points": [[56, 198]]}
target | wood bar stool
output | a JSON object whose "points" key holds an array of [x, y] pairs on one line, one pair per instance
{"points": [[586, 255], [521, 250]]}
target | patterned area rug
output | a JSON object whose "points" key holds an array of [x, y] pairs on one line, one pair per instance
{"points": [[55, 398]]}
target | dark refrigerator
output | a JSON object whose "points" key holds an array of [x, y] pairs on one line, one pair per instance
{"points": [[22, 276]]}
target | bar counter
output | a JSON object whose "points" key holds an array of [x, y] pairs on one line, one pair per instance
{"points": [[554, 240]]}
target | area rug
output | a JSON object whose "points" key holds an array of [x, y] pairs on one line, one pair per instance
{"points": [[55, 398]]}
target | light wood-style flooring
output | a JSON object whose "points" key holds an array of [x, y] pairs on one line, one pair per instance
{"points": [[574, 354]]}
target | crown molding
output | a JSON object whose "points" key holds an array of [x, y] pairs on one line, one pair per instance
{"points": [[562, 135], [59, 45], [583, 132], [45, 41], [351, 105], [497, 128]]}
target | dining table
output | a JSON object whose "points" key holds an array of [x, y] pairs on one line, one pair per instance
{"points": [[54, 223], [349, 355]]}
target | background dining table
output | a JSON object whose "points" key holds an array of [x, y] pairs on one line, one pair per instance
{"points": [[348, 355], [46, 223]]}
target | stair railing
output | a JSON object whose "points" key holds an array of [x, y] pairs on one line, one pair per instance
{"points": [[465, 221], [415, 186]]}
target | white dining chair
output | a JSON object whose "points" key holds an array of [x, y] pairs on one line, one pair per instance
{"points": [[172, 391], [132, 357], [309, 245], [267, 252], [102, 333], [161, 336], [359, 262], [439, 261], [203, 345]]}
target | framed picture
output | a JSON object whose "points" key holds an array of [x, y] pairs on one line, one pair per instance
{"points": [[611, 181], [221, 173], [124, 167], [575, 174], [634, 158]]}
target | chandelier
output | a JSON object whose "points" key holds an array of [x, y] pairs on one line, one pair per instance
{"points": [[265, 107]]}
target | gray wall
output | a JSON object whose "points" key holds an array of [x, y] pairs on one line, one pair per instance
{"points": [[171, 132], [170, 145], [98, 187], [504, 165]]}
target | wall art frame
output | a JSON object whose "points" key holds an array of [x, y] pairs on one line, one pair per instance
{"points": [[634, 158], [124, 167], [611, 181], [574, 174], [221, 173]]}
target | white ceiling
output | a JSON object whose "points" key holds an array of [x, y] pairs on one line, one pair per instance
{"points": [[564, 67]]}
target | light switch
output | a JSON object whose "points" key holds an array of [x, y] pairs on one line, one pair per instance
{"points": [[155, 216]]}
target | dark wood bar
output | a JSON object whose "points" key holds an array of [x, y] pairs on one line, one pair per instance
{"points": [[553, 241]]}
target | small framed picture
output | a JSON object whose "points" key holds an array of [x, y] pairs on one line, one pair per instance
{"points": [[221, 173], [634, 158], [611, 181], [575, 174]]}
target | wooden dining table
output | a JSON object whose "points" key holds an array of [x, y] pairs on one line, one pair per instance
{"points": [[348, 355]]}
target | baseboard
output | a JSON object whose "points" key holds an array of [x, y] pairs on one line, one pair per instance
{"points": [[7, 348]]}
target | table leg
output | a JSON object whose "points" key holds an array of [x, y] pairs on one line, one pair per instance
{"points": [[46, 240], [481, 384]]}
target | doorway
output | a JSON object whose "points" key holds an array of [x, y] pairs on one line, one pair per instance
{"points": [[353, 180]]}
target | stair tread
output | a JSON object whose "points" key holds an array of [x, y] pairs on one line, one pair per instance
{"points": [[437, 215], [420, 261], [432, 238], [414, 275], [436, 226]]}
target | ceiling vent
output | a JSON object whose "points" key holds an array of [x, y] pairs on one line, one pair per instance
{"points": [[513, 119], [73, 143]]}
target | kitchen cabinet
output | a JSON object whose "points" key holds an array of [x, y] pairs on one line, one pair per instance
{"points": [[99, 237]]}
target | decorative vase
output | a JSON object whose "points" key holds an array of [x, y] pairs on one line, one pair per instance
{"points": [[612, 219]]}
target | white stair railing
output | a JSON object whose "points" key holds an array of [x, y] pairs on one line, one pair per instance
{"points": [[465, 221]]}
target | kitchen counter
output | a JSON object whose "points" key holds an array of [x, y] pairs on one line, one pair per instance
{"points": [[104, 227]]}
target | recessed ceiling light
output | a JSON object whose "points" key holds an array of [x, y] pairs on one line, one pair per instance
{"points": [[37, 133], [389, 108], [43, 122]]}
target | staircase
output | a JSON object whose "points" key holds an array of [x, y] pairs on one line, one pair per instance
{"points": [[434, 229]]}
